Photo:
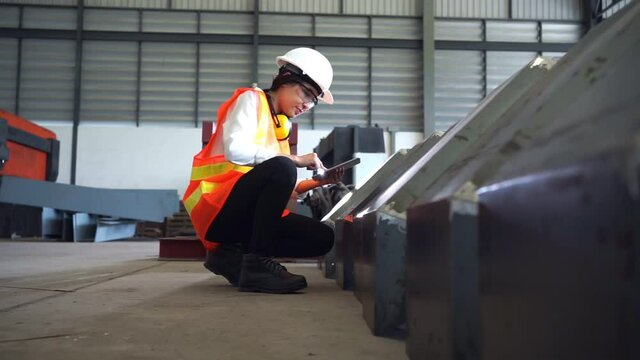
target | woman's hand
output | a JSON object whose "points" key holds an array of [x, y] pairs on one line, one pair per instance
{"points": [[310, 161], [309, 184]]}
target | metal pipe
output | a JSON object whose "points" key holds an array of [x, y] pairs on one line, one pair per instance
{"points": [[428, 66], [484, 61], [370, 77], [77, 89]]}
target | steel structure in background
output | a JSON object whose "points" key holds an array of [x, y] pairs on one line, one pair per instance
{"points": [[28, 170], [147, 205]]}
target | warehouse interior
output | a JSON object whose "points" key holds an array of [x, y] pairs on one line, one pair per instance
{"points": [[494, 212]]}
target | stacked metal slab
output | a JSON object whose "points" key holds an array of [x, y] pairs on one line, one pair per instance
{"points": [[381, 223], [549, 151], [342, 144], [370, 224], [341, 216], [527, 245]]}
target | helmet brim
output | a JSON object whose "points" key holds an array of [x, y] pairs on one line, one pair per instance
{"points": [[326, 97]]}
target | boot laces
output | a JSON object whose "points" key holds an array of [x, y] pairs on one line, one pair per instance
{"points": [[273, 265]]}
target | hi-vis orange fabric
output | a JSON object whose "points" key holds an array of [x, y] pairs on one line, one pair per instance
{"points": [[213, 176]]}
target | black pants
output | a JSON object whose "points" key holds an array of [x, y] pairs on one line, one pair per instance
{"points": [[252, 215]]}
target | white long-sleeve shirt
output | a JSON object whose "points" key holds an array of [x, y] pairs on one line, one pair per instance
{"points": [[239, 131]]}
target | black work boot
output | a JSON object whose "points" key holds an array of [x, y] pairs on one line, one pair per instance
{"points": [[263, 274], [226, 260]]}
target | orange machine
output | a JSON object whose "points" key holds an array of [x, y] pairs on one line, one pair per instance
{"points": [[26, 149]]}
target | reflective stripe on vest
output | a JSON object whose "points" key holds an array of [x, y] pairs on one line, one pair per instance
{"points": [[207, 171]]}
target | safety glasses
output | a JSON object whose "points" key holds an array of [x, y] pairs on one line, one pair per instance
{"points": [[309, 99]]}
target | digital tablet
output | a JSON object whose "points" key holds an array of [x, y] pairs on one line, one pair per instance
{"points": [[345, 165]]}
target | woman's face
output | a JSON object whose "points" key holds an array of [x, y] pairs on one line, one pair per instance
{"points": [[295, 99]]}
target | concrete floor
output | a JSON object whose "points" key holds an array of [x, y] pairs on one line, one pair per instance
{"points": [[117, 301]]}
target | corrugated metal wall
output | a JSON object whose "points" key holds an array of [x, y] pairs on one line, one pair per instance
{"points": [[501, 65], [458, 85], [219, 76], [488, 9], [383, 7], [463, 78], [615, 8], [42, 18], [397, 89], [462, 30], [561, 33], [221, 23], [169, 82], [295, 25], [518, 9], [301, 6], [511, 31], [111, 20], [171, 22], [219, 5], [41, 2], [398, 28], [10, 17], [148, 4], [47, 79], [109, 81], [547, 9], [350, 88], [337, 26], [8, 73]]}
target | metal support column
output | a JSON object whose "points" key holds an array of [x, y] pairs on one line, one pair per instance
{"points": [[76, 89], [370, 77], [428, 72], [312, 112], [484, 60], [197, 99], [539, 35], [138, 71], [592, 13], [256, 30]]}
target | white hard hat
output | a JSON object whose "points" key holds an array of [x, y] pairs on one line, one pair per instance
{"points": [[313, 64]]}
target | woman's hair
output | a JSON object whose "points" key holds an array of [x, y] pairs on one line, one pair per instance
{"points": [[290, 74]]}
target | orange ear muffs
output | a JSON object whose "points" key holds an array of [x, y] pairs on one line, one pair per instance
{"points": [[283, 127]]}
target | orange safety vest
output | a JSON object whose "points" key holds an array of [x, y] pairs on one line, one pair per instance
{"points": [[213, 176]]}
